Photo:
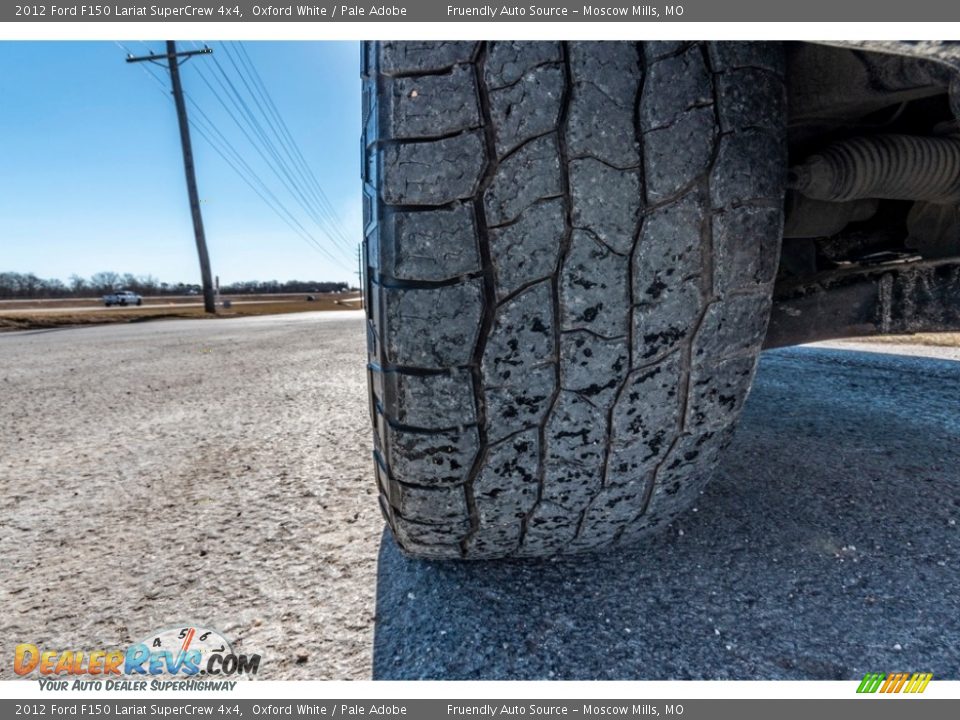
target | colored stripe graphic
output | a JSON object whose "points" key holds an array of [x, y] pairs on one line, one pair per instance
{"points": [[898, 683], [894, 683], [923, 679], [870, 683]]}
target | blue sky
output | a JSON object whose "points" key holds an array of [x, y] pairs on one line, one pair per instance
{"points": [[91, 173]]}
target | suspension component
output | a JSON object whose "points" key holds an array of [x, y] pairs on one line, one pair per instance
{"points": [[895, 167], [809, 218]]}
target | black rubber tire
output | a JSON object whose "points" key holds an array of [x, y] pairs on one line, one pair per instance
{"points": [[571, 250]]}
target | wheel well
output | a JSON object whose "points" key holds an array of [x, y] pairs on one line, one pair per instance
{"points": [[872, 212]]}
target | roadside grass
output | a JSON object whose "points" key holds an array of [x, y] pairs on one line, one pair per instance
{"points": [[946, 339], [50, 304], [24, 319]]}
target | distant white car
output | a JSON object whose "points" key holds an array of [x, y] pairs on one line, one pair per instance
{"points": [[123, 297]]}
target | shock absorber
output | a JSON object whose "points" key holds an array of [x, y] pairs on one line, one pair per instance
{"points": [[894, 167]]}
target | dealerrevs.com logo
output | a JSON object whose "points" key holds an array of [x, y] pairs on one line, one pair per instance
{"points": [[171, 659]]}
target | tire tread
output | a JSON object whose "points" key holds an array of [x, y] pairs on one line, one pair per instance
{"points": [[570, 251]]}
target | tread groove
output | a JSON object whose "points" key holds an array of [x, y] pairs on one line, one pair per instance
{"points": [[562, 121], [489, 291]]}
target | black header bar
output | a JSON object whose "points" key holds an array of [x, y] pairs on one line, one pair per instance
{"points": [[240, 11]]}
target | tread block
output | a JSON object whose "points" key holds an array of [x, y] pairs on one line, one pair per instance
{"points": [[594, 293], [435, 245], [431, 534], [430, 401], [717, 393], [430, 506], [433, 105], [735, 326], [494, 541], [600, 120], [522, 336], [576, 435], [746, 247], [528, 249], [666, 268], [514, 407], [550, 529], [530, 174], [676, 155], [597, 127], [751, 165], [644, 422], [611, 510], [431, 459], [607, 202], [439, 325], [674, 86], [662, 327], [528, 108], [399, 57], [519, 359], [508, 61], [742, 106], [593, 367], [669, 249], [434, 172], [612, 67], [699, 450], [506, 488]]}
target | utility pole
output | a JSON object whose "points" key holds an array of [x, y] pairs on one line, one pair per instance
{"points": [[172, 58], [360, 271]]}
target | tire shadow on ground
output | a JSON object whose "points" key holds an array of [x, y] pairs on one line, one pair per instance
{"points": [[826, 547]]}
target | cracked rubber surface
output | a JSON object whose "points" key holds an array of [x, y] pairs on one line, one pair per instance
{"points": [[570, 252]]}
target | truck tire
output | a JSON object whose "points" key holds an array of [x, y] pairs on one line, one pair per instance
{"points": [[570, 250]]}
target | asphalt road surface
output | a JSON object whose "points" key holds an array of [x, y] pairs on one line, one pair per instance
{"points": [[219, 473], [827, 547]]}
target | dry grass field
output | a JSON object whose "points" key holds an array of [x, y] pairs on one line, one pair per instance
{"points": [[947, 339], [41, 314]]}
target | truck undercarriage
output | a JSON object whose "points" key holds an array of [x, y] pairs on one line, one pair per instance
{"points": [[872, 231]]}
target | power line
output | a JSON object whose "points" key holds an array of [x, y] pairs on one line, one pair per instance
{"points": [[263, 147], [279, 209], [269, 99], [224, 148], [268, 145], [328, 219], [285, 136], [320, 214]]}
